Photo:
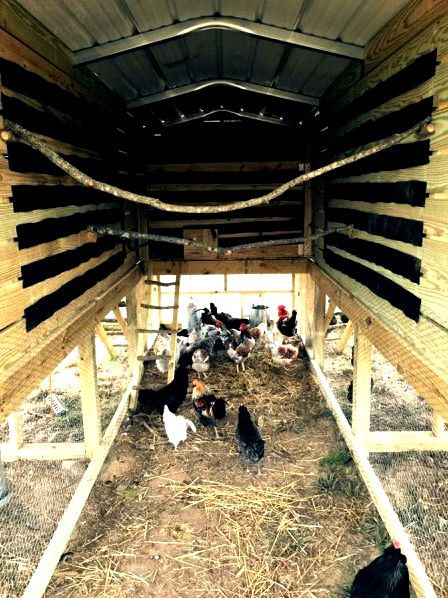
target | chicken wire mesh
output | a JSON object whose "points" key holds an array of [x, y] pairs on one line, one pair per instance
{"points": [[416, 482], [34, 492]]}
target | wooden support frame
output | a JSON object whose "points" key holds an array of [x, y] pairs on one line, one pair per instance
{"points": [[121, 321], [329, 314], [91, 409], [15, 426], [362, 371], [58, 542], [418, 373], [419, 579], [43, 451], [319, 329], [104, 337], [345, 337]]}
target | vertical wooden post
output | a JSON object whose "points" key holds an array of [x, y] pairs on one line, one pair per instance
{"points": [[15, 430], [345, 336], [308, 215], [318, 326], [91, 410], [305, 286], [362, 372], [173, 343], [438, 425]]}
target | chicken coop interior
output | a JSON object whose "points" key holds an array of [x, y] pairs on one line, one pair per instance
{"points": [[180, 166]]}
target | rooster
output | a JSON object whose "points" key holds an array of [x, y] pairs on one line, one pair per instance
{"points": [[239, 349], [173, 394], [228, 320], [248, 439], [176, 426], [211, 410], [385, 577], [286, 324]]}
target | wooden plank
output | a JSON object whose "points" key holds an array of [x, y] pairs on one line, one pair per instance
{"points": [[271, 252], [395, 442], [51, 557], [103, 336], [9, 262], [210, 222], [362, 372], [308, 220], [202, 167], [305, 286], [40, 252], [173, 339], [9, 177], [318, 326], [15, 341], [436, 87], [438, 425], [14, 298], [121, 321], [15, 427], [345, 336], [329, 314], [409, 22], [246, 266], [44, 451], [91, 408], [418, 351], [204, 236], [421, 583], [419, 45], [30, 368]]}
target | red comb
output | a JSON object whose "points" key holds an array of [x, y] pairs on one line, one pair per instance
{"points": [[396, 544], [243, 326], [283, 307]]}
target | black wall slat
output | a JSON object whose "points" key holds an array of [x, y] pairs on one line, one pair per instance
{"points": [[35, 233], [412, 193], [56, 264], [391, 227], [394, 122], [398, 157], [47, 306], [22, 158], [416, 73], [26, 198], [400, 298], [396, 261]]}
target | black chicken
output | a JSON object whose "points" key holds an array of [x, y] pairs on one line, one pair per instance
{"points": [[248, 439], [173, 394], [385, 577], [286, 324], [229, 321]]}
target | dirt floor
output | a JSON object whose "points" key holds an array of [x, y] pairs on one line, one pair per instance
{"points": [[193, 522]]}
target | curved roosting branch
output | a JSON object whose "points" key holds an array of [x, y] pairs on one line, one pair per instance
{"points": [[15, 132]]}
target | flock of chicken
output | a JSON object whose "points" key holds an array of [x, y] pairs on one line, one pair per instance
{"points": [[211, 332], [386, 576]]}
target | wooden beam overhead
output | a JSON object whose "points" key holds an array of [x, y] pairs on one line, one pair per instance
{"points": [[241, 266], [215, 167], [163, 34]]}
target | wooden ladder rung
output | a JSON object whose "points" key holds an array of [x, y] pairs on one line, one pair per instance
{"points": [[146, 306], [151, 358], [150, 330], [160, 284]]}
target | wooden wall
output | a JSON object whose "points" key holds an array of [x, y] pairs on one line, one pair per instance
{"points": [[395, 260], [50, 265]]}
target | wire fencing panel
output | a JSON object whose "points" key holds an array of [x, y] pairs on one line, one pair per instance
{"points": [[415, 481], [35, 492]]}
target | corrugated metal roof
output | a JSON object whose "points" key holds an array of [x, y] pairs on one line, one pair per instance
{"points": [[214, 54]]}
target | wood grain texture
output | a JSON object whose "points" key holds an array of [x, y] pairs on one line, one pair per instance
{"points": [[418, 351], [414, 18]]}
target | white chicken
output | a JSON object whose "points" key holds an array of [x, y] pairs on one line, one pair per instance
{"points": [[201, 361], [176, 426]]}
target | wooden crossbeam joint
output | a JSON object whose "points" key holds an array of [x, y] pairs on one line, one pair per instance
{"points": [[160, 284]]}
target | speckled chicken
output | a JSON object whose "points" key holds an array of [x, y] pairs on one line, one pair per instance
{"points": [[239, 349]]}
